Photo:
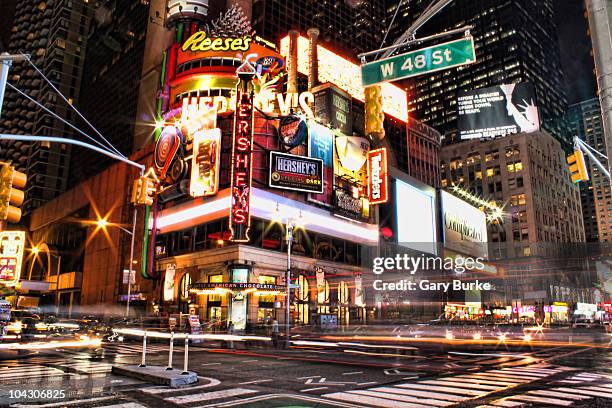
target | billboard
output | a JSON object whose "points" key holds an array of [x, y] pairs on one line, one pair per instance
{"points": [[464, 226], [497, 111], [298, 173], [321, 146], [415, 217], [12, 244]]}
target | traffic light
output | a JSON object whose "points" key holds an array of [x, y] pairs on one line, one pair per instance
{"points": [[143, 191], [136, 188], [147, 192], [12, 183], [374, 115], [577, 167]]}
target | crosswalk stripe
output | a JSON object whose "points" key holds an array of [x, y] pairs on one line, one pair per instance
{"points": [[541, 400], [416, 393], [557, 394], [204, 396], [43, 371], [599, 388], [66, 403], [523, 372], [463, 384], [540, 370], [450, 390], [507, 404], [531, 376], [403, 398], [586, 391], [212, 382], [466, 379], [125, 405], [496, 377], [370, 401]]}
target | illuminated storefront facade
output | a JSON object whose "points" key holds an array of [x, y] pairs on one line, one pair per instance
{"points": [[240, 158]]}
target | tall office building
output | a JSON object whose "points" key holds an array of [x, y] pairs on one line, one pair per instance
{"points": [[585, 122], [55, 35], [111, 80], [7, 11], [515, 41], [526, 174], [352, 26]]}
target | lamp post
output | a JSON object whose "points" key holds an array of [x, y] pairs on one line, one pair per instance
{"points": [[289, 236], [103, 223], [36, 250]]}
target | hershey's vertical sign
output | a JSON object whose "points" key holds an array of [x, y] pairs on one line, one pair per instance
{"points": [[240, 211]]}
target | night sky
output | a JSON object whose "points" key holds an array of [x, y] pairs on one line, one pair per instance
{"points": [[576, 58]]}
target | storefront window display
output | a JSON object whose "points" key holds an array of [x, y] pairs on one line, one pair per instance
{"points": [[265, 311], [302, 299], [184, 293], [556, 313], [343, 303], [323, 297], [214, 312]]}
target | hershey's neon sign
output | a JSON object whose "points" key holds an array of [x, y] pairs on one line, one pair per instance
{"points": [[240, 209]]}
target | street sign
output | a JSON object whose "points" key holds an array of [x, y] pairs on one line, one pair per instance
{"points": [[435, 58]]}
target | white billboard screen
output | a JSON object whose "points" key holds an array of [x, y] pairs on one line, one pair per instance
{"points": [[416, 218]]}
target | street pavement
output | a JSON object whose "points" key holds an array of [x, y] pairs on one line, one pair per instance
{"points": [[317, 377]]}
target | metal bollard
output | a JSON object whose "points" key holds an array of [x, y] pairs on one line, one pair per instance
{"points": [[171, 351], [144, 350], [185, 372]]}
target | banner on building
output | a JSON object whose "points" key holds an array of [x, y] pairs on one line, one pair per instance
{"points": [[321, 284], [204, 179], [321, 146], [169, 283], [359, 295]]}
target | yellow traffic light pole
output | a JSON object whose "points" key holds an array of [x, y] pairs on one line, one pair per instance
{"points": [[12, 183], [577, 164]]}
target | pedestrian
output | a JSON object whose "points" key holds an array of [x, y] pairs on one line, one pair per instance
{"points": [[230, 331], [275, 333], [267, 321]]}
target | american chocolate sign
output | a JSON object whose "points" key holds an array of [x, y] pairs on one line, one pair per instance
{"points": [[236, 286], [298, 173]]}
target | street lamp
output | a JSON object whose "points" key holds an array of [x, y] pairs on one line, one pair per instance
{"points": [[291, 224], [37, 249], [102, 223]]}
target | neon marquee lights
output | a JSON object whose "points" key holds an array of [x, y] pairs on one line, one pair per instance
{"points": [[347, 75], [240, 211]]}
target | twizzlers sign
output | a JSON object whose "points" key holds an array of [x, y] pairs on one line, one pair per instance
{"points": [[240, 212], [378, 188]]}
